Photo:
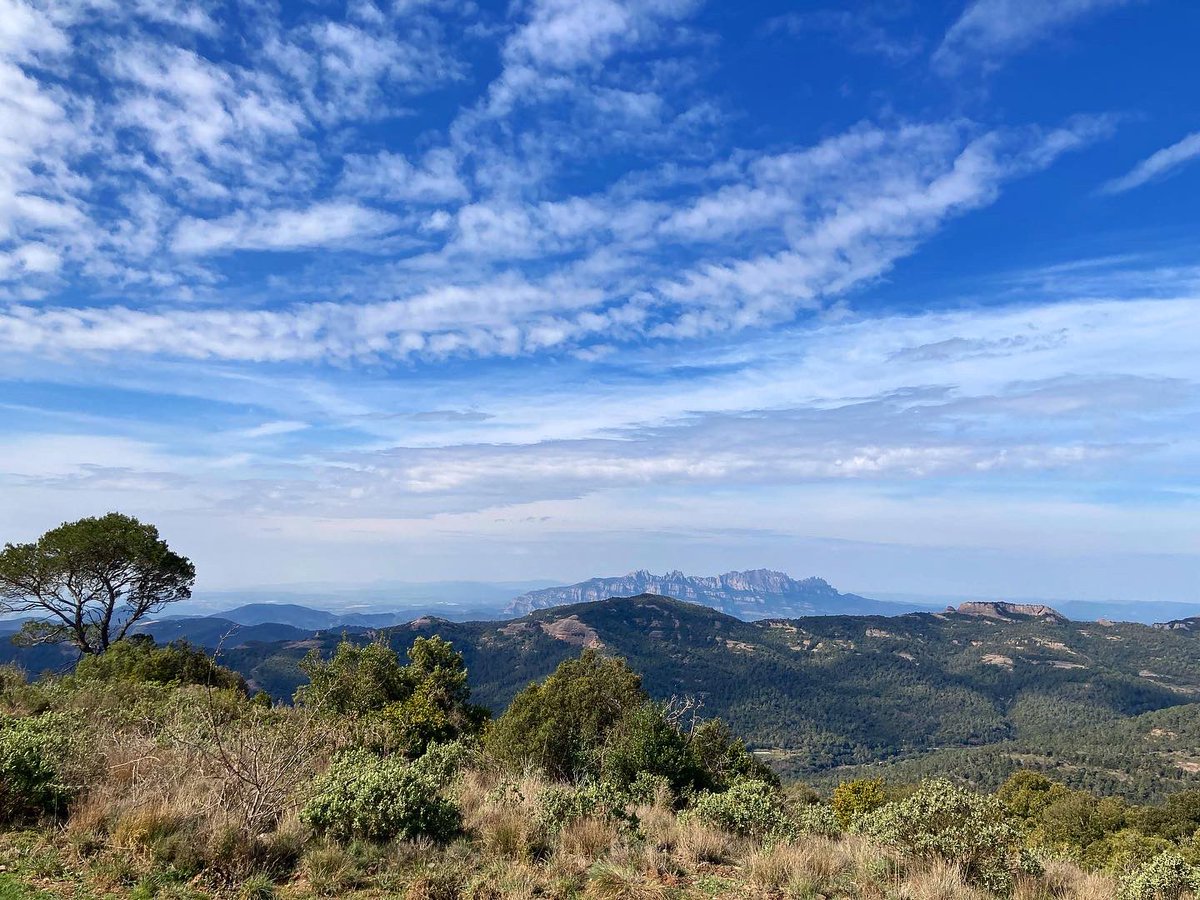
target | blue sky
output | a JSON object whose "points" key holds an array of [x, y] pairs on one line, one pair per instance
{"points": [[902, 294]]}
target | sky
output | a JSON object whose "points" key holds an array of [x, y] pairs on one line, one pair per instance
{"points": [[903, 294]]}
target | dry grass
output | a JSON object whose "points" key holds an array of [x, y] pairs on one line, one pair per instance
{"points": [[158, 803], [1063, 880], [586, 839], [699, 843], [613, 881], [939, 881]]}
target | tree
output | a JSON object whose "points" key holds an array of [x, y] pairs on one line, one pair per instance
{"points": [[394, 708], [561, 724], [88, 582]]}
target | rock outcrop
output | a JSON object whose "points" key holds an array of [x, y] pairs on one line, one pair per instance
{"points": [[752, 594], [1011, 612], [1191, 624]]}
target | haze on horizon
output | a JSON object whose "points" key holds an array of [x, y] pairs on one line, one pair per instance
{"points": [[425, 290]]}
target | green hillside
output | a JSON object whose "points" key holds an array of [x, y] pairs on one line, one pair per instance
{"points": [[976, 694]]}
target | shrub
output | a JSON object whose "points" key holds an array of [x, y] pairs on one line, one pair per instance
{"points": [[750, 807], [652, 789], [1166, 877], [363, 796], [440, 763], [561, 725], [852, 800], [1121, 851], [137, 658], [722, 757], [560, 805], [37, 754], [816, 818], [943, 821], [400, 708], [355, 681], [646, 742]]}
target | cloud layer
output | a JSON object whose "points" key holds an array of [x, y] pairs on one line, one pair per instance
{"points": [[553, 287]]}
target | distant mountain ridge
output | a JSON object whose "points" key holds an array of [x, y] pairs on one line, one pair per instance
{"points": [[748, 595]]}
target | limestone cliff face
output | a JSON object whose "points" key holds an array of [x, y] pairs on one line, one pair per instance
{"points": [[1009, 612], [1192, 624], [752, 594]]}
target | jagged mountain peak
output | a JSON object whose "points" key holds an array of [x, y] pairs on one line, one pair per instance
{"points": [[746, 594]]}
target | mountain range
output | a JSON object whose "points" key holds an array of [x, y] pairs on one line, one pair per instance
{"points": [[748, 595]]}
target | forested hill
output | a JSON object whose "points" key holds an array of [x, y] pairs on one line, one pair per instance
{"points": [[982, 692], [822, 692]]}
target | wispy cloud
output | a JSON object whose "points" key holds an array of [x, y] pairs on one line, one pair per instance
{"points": [[276, 275], [864, 31], [325, 224], [824, 221], [273, 429], [987, 31], [1159, 165]]}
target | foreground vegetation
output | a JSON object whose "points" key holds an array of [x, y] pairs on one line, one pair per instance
{"points": [[153, 772], [1109, 708]]}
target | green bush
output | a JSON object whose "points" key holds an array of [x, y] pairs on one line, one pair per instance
{"points": [[942, 820], [562, 724], [1166, 877], [137, 658], [646, 742], [722, 757], [37, 755], [817, 818], [853, 800], [648, 788], [1121, 851], [750, 807], [367, 797], [561, 805], [440, 763], [395, 708]]}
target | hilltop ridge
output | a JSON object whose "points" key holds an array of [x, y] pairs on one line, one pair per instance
{"points": [[1009, 612], [749, 594]]}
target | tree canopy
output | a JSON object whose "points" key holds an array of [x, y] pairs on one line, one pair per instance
{"points": [[591, 719], [88, 582], [395, 708]]}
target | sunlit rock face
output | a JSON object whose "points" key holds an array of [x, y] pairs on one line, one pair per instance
{"points": [[752, 594]]}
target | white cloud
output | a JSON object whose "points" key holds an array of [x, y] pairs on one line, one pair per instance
{"points": [[390, 176], [66, 456], [1161, 164], [273, 429], [989, 30], [828, 220], [560, 38], [566, 34], [862, 31], [332, 223]]}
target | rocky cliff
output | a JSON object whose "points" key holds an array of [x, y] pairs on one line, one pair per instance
{"points": [[1010, 612], [752, 594]]}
